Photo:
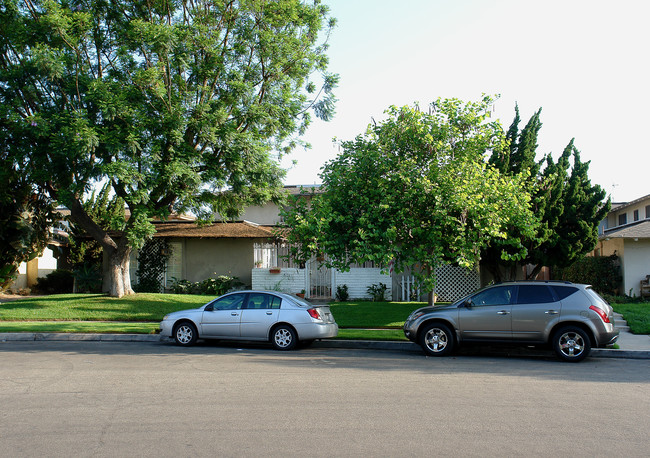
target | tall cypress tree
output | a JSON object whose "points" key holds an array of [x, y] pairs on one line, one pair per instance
{"points": [[568, 205]]}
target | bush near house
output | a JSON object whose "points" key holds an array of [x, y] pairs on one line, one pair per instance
{"points": [[601, 272]]}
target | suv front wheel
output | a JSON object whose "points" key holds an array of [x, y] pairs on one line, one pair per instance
{"points": [[436, 339], [571, 344]]}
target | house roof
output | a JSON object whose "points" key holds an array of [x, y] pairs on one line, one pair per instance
{"points": [[638, 229], [616, 206], [226, 229]]}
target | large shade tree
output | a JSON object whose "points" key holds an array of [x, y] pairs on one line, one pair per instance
{"points": [[177, 104], [415, 191]]}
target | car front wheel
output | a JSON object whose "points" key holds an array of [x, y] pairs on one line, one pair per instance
{"points": [[437, 340], [284, 338], [185, 334], [571, 344]]}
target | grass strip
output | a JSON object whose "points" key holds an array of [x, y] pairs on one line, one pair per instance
{"points": [[636, 315]]}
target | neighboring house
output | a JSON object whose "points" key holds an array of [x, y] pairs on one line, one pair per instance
{"points": [[625, 232], [29, 272], [199, 252]]}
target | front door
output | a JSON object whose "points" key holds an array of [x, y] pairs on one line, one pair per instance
{"points": [[224, 318], [488, 316]]}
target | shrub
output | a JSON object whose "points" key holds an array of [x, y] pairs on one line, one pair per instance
{"points": [[342, 294], [601, 272], [88, 279], [56, 282], [377, 292], [210, 286]]}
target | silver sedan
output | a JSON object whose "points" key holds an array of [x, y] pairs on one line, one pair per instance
{"points": [[280, 318]]}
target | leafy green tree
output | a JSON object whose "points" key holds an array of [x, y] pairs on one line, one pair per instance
{"points": [[415, 190], [25, 218], [568, 205], [178, 105]]}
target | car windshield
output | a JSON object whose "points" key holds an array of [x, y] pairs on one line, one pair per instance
{"points": [[301, 302], [595, 296]]}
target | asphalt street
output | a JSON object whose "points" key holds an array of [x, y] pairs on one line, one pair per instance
{"points": [[156, 399]]}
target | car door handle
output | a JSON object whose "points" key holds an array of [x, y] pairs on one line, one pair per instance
{"points": [[503, 312], [235, 314], [269, 313], [551, 312]]}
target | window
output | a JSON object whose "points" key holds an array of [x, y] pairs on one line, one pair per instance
{"points": [[232, 302], [636, 215], [563, 292], [259, 301], [622, 219], [534, 294], [499, 295], [647, 211]]}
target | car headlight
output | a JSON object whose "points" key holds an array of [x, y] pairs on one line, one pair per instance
{"points": [[415, 316], [165, 317]]}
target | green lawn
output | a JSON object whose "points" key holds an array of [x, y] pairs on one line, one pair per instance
{"points": [[636, 315], [95, 313]]}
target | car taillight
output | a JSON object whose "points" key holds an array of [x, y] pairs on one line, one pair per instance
{"points": [[601, 313], [314, 314]]}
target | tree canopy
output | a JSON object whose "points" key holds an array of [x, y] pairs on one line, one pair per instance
{"points": [[416, 190], [568, 205], [178, 105]]}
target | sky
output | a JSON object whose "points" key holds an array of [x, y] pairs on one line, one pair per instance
{"points": [[585, 63]]}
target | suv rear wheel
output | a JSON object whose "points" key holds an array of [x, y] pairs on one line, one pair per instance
{"points": [[571, 344], [436, 339]]}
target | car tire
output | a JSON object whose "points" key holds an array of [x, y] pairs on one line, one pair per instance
{"points": [[436, 339], [284, 338], [571, 344], [185, 334]]}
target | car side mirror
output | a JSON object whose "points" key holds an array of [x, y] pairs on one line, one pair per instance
{"points": [[208, 308], [468, 303]]}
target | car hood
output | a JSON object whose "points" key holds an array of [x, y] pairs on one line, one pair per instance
{"points": [[185, 312], [435, 308]]}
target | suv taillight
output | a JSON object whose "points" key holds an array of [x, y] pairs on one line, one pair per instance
{"points": [[314, 314], [600, 312]]}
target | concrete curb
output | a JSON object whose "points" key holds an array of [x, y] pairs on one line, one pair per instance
{"points": [[348, 344]]}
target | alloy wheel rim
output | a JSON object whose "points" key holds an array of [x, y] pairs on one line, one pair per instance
{"points": [[436, 340], [283, 338], [572, 344], [184, 334]]}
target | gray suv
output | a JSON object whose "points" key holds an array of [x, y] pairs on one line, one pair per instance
{"points": [[571, 318]]}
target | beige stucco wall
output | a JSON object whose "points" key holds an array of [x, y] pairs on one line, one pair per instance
{"points": [[636, 265], [267, 215], [206, 258]]}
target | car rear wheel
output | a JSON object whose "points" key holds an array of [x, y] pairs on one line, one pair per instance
{"points": [[571, 344], [284, 337], [437, 340], [185, 334]]}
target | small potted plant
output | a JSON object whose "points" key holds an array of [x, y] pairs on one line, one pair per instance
{"points": [[301, 294], [258, 264], [274, 270]]}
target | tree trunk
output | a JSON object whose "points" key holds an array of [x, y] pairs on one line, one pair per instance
{"points": [[117, 251], [118, 269]]}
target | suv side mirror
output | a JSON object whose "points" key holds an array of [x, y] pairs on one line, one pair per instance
{"points": [[468, 303]]}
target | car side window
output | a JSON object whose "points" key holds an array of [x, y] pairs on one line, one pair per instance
{"points": [[534, 294], [499, 295], [232, 302], [563, 292], [258, 301], [275, 302]]}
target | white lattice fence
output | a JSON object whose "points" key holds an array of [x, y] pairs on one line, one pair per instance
{"points": [[453, 282]]}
